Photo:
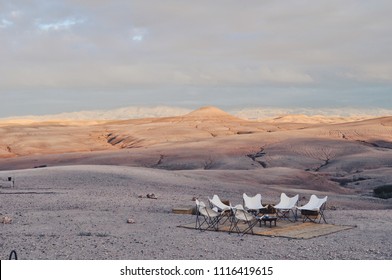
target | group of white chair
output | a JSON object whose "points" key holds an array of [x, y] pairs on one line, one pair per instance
{"points": [[209, 217]]}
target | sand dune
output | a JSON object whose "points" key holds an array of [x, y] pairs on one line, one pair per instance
{"points": [[315, 119], [206, 139]]}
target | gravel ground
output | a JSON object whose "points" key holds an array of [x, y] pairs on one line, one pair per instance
{"points": [[81, 212]]}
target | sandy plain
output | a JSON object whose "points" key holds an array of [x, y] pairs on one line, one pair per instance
{"points": [[77, 184]]}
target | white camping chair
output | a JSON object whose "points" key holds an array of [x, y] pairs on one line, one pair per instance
{"points": [[210, 217], [225, 209], [253, 203], [217, 202], [286, 206], [314, 209], [241, 215]]}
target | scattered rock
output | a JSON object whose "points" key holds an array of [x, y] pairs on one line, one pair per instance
{"points": [[151, 196], [5, 220], [131, 221]]}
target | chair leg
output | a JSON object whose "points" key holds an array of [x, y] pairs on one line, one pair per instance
{"points": [[199, 224], [318, 219], [285, 214], [307, 217], [294, 214], [215, 222], [322, 216], [212, 223], [227, 214], [234, 225], [250, 227]]}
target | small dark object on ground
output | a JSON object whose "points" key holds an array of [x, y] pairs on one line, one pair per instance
{"points": [[151, 196], [384, 191]]}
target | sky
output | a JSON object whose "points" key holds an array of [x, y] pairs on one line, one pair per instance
{"points": [[67, 55]]}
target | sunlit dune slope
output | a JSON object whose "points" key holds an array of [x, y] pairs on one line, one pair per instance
{"points": [[202, 124], [26, 138], [207, 138]]}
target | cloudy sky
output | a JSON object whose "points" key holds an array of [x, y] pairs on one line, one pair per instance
{"points": [[68, 55]]}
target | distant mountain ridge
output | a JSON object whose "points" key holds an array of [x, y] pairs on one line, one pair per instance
{"points": [[298, 115]]}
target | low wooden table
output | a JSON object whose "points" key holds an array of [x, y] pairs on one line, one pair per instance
{"points": [[268, 219]]}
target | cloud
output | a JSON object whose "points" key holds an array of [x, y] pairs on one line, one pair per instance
{"points": [[64, 24], [4, 23], [380, 72], [16, 14], [285, 76], [138, 34], [300, 46]]}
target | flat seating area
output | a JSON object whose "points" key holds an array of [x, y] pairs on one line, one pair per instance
{"points": [[243, 219]]}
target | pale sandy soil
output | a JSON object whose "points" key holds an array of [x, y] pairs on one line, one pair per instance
{"points": [[81, 212], [76, 205]]}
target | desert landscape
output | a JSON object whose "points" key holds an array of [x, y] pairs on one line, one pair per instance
{"points": [[80, 187]]}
